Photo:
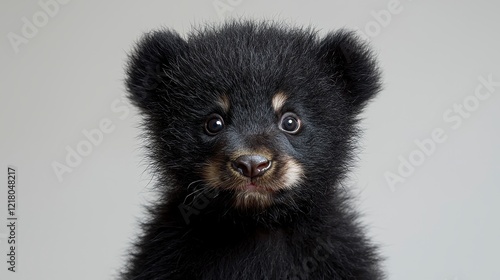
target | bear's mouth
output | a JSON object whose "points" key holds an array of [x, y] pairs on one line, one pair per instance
{"points": [[255, 187], [252, 187]]}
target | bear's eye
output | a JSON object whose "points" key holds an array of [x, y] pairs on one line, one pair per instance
{"points": [[290, 123], [214, 124]]}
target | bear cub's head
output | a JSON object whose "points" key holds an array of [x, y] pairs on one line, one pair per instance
{"points": [[260, 114]]}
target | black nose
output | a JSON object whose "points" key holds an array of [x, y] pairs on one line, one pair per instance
{"points": [[251, 165]]}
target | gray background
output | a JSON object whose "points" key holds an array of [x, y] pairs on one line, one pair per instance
{"points": [[440, 223]]}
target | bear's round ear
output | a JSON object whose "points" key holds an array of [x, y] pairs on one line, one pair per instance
{"points": [[352, 66], [149, 65]]}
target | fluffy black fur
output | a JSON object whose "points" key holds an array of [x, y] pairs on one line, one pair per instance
{"points": [[195, 231]]}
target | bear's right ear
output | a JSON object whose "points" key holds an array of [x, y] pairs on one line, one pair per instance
{"points": [[352, 66], [149, 64]]}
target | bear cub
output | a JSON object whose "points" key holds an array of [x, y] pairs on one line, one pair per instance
{"points": [[251, 128]]}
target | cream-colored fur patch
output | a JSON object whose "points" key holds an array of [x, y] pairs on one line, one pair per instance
{"points": [[278, 101], [224, 103], [293, 173]]}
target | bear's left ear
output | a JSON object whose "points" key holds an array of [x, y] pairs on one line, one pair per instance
{"points": [[150, 66], [352, 66]]}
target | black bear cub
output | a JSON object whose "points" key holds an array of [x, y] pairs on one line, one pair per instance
{"points": [[250, 127]]}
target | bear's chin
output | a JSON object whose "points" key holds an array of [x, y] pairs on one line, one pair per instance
{"points": [[253, 197]]}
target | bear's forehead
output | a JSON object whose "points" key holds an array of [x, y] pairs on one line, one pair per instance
{"points": [[250, 49], [247, 67], [242, 66]]}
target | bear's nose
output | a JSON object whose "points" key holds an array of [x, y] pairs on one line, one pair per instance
{"points": [[251, 165]]}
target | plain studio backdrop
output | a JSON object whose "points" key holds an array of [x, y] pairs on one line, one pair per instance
{"points": [[427, 177]]}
